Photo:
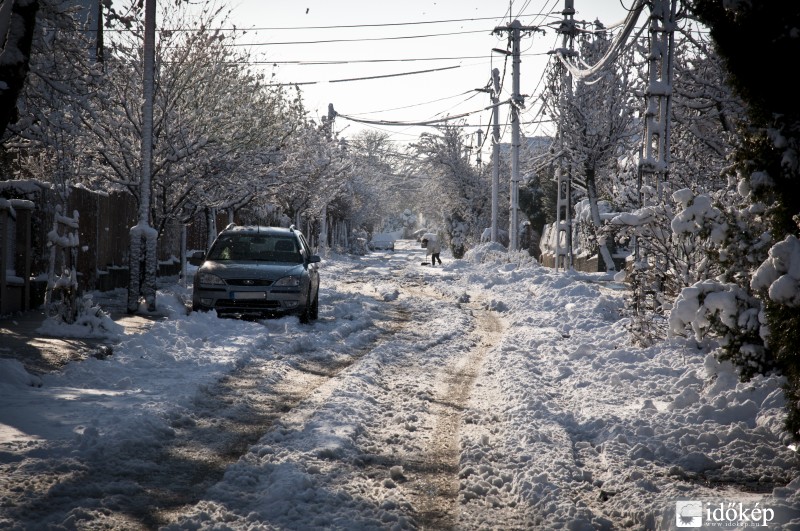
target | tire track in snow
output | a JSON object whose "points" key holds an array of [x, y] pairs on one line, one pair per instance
{"points": [[291, 400], [434, 492]]}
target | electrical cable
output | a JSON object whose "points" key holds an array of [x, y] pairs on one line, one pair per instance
{"points": [[381, 25], [365, 39], [413, 105], [426, 122], [355, 61], [365, 78]]}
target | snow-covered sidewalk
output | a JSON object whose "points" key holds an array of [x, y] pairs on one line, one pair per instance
{"points": [[521, 376]]}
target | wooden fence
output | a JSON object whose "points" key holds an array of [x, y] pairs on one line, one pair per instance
{"points": [[28, 207]]}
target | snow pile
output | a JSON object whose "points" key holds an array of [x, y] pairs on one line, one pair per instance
{"points": [[13, 374], [90, 321]]}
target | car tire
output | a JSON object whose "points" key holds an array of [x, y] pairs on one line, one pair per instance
{"points": [[310, 312], [315, 308]]}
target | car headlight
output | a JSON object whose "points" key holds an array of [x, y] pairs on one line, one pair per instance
{"points": [[210, 280], [290, 281]]}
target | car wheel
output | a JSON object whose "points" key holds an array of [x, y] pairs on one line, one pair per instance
{"points": [[305, 315], [310, 312], [314, 314]]}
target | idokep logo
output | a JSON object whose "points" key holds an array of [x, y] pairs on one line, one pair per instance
{"points": [[714, 514], [689, 513]]}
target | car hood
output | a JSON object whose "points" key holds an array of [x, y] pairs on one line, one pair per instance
{"points": [[251, 269]]}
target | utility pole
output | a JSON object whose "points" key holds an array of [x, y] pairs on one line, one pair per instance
{"points": [[563, 256], [515, 30], [99, 46], [495, 96], [478, 157], [143, 261], [655, 157], [495, 149]]}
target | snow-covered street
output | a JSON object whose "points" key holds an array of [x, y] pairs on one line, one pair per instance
{"points": [[489, 393]]}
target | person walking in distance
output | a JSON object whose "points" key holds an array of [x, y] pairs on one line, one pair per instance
{"points": [[432, 247]]}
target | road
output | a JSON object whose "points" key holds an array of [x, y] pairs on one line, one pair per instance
{"points": [[423, 357], [486, 394]]}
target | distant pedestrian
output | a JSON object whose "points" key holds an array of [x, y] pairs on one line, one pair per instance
{"points": [[432, 247]]}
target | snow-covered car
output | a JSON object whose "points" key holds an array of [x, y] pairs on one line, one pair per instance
{"points": [[258, 271], [381, 245]]}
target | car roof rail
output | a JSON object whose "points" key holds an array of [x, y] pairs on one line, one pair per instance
{"points": [[292, 228], [230, 226]]}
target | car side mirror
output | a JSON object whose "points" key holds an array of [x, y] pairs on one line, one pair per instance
{"points": [[197, 258], [314, 259]]}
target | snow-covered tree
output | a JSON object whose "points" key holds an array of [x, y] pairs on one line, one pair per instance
{"points": [[596, 122], [46, 139], [767, 160], [311, 175], [456, 194], [383, 188]]}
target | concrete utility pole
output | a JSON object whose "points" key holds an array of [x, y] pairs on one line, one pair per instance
{"points": [[655, 164], [478, 157], [515, 30], [564, 178], [495, 96], [147, 109], [495, 149], [143, 264]]}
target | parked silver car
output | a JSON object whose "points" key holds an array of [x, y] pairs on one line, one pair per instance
{"points": [[258, 272]]}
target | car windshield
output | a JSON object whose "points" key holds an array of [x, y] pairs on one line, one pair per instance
{"points": [[256, 247]]}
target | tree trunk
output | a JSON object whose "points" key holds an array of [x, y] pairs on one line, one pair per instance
{"points": [[591, 191]]}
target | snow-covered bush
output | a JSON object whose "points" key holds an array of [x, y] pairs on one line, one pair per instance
{"points": [[89, 321], [779, 275], [720, 241], [778, 281], [728, 313]]}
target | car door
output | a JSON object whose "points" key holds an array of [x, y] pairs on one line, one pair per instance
{"points": [[311, 267]]}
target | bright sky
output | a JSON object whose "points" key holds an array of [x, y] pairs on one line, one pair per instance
{"points": [[457, 42]]}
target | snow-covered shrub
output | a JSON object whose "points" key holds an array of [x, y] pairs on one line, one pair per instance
{"points": [[495, 253], [721, 239], [728, 313], [89, 321], [778, 281], [650, 276], [779, 275]]}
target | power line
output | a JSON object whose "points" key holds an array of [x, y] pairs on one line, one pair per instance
{"points": [[295, 28], [426, 122], [322, 62], [354, 61], [365, 39], [414, 105], [363, 78]]}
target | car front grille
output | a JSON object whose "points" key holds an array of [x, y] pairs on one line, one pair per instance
{"points": [[228, 305], [248, 282]]}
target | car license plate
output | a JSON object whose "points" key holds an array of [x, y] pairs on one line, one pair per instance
{"points": [[240, 295]]}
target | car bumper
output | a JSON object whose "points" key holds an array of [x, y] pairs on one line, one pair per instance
{"points": [[249, 302]]}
